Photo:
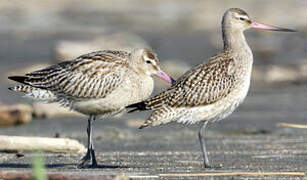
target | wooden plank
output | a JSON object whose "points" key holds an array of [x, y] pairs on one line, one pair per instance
{"points": [[235, 174], [59, 145], [143, 176], [301, 126]]}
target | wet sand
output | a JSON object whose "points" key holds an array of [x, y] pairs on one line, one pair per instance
{"points": [[247, 141]]}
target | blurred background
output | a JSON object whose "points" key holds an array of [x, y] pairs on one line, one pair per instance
{"points": [[35, 34]]}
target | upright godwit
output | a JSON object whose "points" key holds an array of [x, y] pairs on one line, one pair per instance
{"points": [[212, 90], [100, 83]]}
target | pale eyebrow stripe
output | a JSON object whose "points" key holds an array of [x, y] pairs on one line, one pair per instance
{"points": [[242, 16]]}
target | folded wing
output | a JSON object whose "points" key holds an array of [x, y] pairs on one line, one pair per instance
{"points": [[93, 75], [203, 85]]}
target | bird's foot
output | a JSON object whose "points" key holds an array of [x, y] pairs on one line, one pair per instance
{"points": [[83, 165], [85, 160], [207, 165], [93, 165], [94, 162]]}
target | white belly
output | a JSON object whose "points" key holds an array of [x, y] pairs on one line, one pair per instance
{"points": [[131, 91], [225, 106], [222, 108]]}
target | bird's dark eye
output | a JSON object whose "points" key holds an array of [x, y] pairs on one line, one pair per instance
{"points": [[242, 19], [148, 62]]}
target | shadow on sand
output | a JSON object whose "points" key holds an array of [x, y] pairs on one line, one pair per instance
{"points": [[74, 166]]}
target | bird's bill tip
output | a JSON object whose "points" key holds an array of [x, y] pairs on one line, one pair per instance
{"points": [[256, 25], [162, 75]]}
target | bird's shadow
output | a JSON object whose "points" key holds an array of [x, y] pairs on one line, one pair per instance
{"points": [[15, 165], [105, 167]]}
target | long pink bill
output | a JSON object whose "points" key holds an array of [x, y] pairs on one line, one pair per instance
{"points": [[162, 75], [270, 28]]}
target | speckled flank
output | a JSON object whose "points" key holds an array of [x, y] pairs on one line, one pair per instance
{"points": [[203, 85]]}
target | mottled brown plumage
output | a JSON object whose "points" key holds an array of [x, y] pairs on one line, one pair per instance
{"points": [[212, 90], [203, 85], [101, 83], [93, 75]]}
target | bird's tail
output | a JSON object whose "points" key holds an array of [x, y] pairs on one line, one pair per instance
{"points": [[140, 106], [34, 93], [20, 79], [144, 126]]}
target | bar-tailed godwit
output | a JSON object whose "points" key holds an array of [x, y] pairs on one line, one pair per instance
{"points": [[212, 90], [101, 83]]}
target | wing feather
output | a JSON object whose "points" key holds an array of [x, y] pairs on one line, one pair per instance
{"points": [[93, 75], [203, 85]]}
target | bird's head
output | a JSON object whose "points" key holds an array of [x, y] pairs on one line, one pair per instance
{"points": [[238, 19], [147, 62]]}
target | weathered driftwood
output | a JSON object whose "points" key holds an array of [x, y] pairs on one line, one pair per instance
{"points": [[219, 174], [300, 126], [49, 110], [11, 115], [59, 145]]}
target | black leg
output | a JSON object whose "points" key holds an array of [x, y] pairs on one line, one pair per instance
{"points": [[203, 145], [94, 162], [92, 147], [90, 154]]}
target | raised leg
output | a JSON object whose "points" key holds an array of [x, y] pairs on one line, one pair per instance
{"points": [[90, 154], [203, 145]]}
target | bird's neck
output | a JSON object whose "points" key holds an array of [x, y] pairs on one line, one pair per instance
{"points": [[234, 40], [236, 45]]}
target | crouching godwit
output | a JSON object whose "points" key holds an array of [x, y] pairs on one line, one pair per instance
{"points": [[101, 83], [212, 90]]}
